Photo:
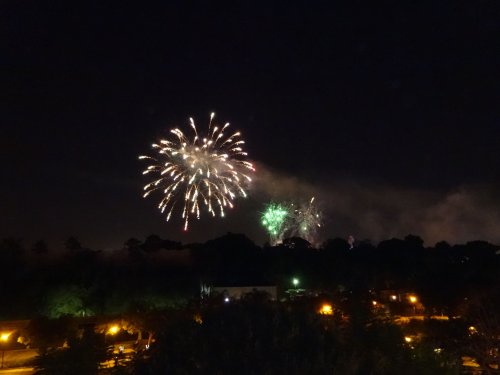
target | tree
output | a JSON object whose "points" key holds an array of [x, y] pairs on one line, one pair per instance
{"points": [[132, 244], [67, 300], [297, 243], [482, 311], [72, 244], [156, 243], [45, 333], [442, 246], [83, 356], [11, 250], [414, 242], [11, 276], [153, 243], [337, 245], [40, 247]]}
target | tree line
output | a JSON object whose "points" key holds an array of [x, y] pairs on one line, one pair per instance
{"points": [[156, 283], [157, 273]]}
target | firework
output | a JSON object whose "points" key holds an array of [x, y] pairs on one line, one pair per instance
{"points": [[203, 171], [307, 221], [276, 219], [283, 220]]}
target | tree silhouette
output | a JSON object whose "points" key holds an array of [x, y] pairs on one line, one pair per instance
{"points": [[40, 247], [83, 356], [297, 243], [72, 244], [153, 243], [45, 333], [67, 300]]}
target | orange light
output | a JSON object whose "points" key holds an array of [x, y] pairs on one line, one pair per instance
{"points": [[374, 303], [4, 336], [408, 339], [198, 319], [413, 299], [113, 330], [394, 297], [326, 309]]}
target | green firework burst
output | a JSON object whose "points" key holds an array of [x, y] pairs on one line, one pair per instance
{"points": [[275, 219]]}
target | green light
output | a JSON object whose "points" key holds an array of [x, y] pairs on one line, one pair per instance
{"points": [[274, 220]]}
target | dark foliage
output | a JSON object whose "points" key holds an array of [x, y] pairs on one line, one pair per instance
{"points": [[255, 336], [83, 355]]}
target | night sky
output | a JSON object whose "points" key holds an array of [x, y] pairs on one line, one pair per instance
{"points": [[387, 113]]}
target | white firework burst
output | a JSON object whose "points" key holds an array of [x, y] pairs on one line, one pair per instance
{"points": [[206, 170]]}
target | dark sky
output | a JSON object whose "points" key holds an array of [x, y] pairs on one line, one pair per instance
{"points": [[389, 113]]}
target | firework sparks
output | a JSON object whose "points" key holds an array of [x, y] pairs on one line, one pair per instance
{"points": [[307, 220], [283, 220], [205, 171], [275, 219]]}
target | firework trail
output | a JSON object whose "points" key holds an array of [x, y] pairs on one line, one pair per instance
{"points": [[205, 171]]}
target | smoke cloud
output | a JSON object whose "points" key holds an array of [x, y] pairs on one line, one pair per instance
{"points": [[377, 212]]}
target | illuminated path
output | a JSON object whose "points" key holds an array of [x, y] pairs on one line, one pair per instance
{"points": [[18, 371]]}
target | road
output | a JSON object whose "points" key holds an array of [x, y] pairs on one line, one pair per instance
{"points": [[19, 357], [16, 361], [18, 371]]}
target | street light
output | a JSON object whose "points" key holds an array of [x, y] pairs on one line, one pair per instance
{"points": [[326, 309], [4, 338], [113, 330], [294, 291], [413, 300]]}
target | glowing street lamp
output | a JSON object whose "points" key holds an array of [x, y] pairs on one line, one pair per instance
{"points": [[294, 291], [4, 338], [326, 309], [113, 330], [413, 300]]}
